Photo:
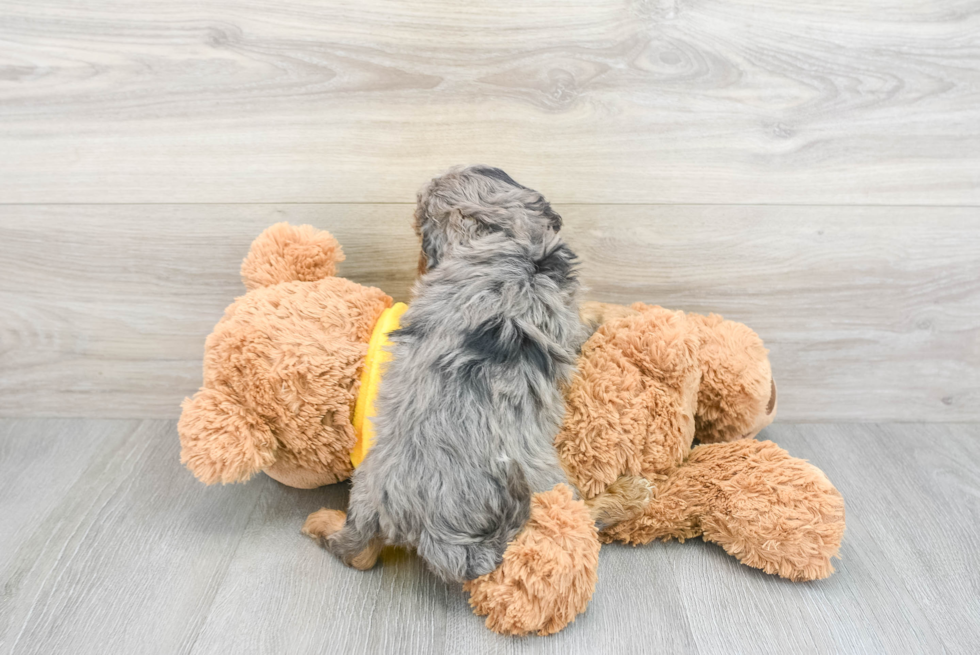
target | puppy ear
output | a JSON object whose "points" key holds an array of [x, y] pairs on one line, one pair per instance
{"points": [[433, 243], [557, 262], [550, 215], [222, 440]]}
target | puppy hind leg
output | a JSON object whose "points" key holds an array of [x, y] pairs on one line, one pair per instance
{"points": [[323, 523], [459, 562], [367, 558], [477, 548], [335, 531], [354, 547]]}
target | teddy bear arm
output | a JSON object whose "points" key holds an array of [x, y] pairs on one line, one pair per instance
{"points": [[631, 405], [548, 572], [223, 440]]}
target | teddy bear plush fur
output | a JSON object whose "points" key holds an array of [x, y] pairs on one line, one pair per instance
{"points": [[650, 381], [281, 375], [281, 369]]}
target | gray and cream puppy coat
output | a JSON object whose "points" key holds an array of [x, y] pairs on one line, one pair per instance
{"points": [[470, 404]]}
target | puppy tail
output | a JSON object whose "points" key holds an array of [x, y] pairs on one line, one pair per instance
{"points": [[510, 519], [480, 554], [517, 508]]}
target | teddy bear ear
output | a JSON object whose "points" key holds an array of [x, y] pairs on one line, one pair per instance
{"points": [[222, 440], [288, 253]]}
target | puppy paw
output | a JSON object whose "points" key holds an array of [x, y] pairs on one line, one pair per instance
{"points": [[367, 558], [323, 523]]}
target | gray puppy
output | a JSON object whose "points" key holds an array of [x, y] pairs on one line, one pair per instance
{"points": [[471, 402]]}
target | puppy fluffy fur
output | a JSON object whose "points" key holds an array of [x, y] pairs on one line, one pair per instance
{"points": [[471, 403]]}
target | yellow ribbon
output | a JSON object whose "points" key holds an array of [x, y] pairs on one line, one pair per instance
{"points": [[374, 367]]}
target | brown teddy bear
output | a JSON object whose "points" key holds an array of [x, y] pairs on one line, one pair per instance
{"points": [[281, 367], [281, 380], [650, 381]]}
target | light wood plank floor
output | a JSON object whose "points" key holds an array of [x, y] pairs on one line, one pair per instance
{"points": [[109, 546]]}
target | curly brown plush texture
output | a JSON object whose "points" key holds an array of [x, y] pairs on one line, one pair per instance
{"points": [[282, 368], [282, 372], [737, 395], [769, 510], [291, 253], [549, 571], [651, 380], [630, 407]]}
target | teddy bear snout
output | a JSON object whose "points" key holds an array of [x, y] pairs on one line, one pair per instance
{"points": [[767, 418]]}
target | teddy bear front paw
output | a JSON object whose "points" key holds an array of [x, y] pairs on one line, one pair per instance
{"points": [[548, 573], [624, 499]]}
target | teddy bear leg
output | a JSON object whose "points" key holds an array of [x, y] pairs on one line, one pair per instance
{"points": [[767, 509], [548, 572], [771, 511], [325, 523]]}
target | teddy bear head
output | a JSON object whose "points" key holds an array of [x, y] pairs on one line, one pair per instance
{"points": [[650, 381], [281, 369]]}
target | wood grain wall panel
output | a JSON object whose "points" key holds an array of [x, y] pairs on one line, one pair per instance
{"points": [[870, 312], [722, 101]]}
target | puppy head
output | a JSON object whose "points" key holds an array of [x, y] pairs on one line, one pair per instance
{"points": [[471, 202]]}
